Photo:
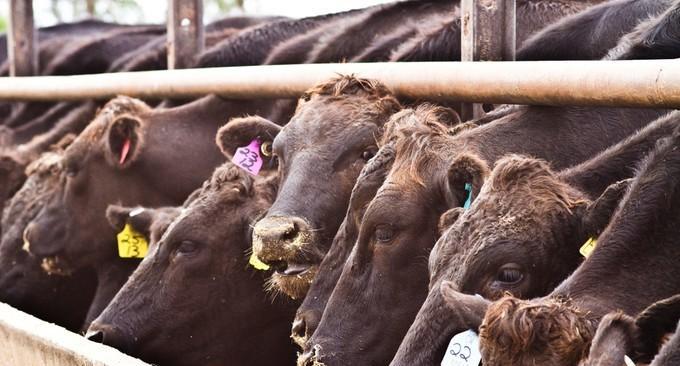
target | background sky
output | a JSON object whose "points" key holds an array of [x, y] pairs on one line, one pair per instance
{"points": [[49, 12]]}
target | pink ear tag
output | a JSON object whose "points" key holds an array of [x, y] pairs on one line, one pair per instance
{"points": [[248, 157], [124, 151]]}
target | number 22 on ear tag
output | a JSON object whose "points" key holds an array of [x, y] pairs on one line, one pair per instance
{"points": [[463, 350], [248, 157], [131, 243]]}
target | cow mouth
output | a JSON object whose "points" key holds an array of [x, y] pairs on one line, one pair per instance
{"points": [[56, 265], [282, 268], [294, 279]]}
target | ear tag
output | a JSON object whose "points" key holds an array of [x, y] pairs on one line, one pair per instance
{"points": [[463, 350], [628, 361], [468, 201], [124, 151], [248, 157], [588, 247], [131, 243], [257, 263]]}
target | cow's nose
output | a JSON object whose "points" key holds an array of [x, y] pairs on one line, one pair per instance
{"points": [[95, 336], [273, 237], [304, 325], [110, 336]]}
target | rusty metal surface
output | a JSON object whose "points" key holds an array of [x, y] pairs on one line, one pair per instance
{"points": [[185, 32], [21, 39], [488, 33], [639, 83]]}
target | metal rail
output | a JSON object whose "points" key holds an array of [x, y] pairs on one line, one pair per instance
{"points": [[640, 83]]}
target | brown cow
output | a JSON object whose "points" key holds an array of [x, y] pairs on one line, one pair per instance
{"points": [[597, 29], [130, 154], [198, 276], [329, 139], [23, 284], [638, 248], [385, 272], [523, 233]]}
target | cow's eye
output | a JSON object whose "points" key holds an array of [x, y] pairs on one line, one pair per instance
{"points": [[510, 274], [368, 154], [187, 247], [384, 233]]}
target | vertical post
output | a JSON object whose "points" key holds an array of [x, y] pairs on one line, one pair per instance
{"points": [[21, 41], [185, 32], [487, 34]]}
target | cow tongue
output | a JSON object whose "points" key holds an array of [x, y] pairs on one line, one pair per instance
{"points": [[295, 269]]}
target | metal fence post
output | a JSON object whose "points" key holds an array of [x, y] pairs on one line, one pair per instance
{"points": [[21, 39], [185, 32], [487, 34]]}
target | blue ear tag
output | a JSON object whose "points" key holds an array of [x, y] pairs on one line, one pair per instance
{"points": [[468, 201]]}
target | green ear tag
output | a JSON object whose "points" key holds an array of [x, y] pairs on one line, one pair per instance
{"points": [[257, 263], [588, 247], [131, 243], [468, 201]]}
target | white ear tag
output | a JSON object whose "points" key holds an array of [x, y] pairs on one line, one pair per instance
{"points": [[463, 350]]}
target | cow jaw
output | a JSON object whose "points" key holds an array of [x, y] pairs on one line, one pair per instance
{"points": [[295, 280]]}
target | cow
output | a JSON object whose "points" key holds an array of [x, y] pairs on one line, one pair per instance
{"points": [[329, 139], [56, 299], [201, 262], [440, 40], [598, 30], [656, 38], [385, 272], [619, 334], [638, 248], [128, 155], [523, 232]]}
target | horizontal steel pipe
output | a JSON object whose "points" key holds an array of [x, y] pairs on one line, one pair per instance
{"points": [[640, 83]]}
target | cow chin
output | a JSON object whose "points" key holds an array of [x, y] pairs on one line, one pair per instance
{"points": [[56, 265], [295, 286]]}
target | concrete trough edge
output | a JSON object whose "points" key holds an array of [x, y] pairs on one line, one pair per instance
{"points": [[27, 340]]}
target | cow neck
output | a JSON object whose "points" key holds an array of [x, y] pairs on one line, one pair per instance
{"points": [[111, 276], [593, 176]]}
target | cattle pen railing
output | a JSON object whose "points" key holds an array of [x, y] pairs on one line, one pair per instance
{"points": [[636, 83]]}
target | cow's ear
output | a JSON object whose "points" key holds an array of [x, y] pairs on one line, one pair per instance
{"points": [[448, 218], [464, 179], [653, 324], [139, 218], [124, 140], [240, 132], [597, 214], [613, 339], [468, 310]]}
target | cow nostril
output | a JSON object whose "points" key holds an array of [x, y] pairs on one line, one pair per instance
{"points": [[95, 336], [299, 328], [290, 233]]}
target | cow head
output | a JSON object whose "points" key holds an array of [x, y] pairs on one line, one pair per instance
{"points": [[547, 331], [23, 284], [320, 153], [103, 165], [309, 313], [387, 265], [201, 262], [521, 235]]}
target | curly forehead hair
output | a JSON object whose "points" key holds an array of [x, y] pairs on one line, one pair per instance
{"points": [[548, 332], [349, 85]]}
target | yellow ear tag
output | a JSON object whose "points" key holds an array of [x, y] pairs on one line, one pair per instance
{"points": [[131, 243], [257, 263], [588, 247]]}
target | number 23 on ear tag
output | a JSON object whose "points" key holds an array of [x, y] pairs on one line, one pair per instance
{"points": [[463, 350], [131, 243], [248, 157]]}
